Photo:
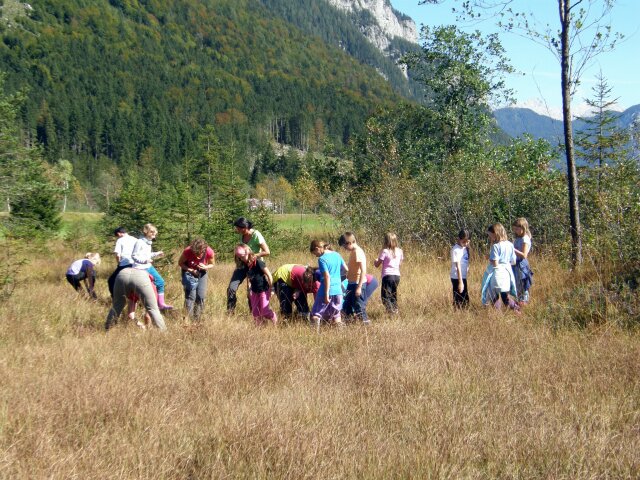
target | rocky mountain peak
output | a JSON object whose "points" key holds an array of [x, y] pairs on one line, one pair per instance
{"points": [[379, 22]]}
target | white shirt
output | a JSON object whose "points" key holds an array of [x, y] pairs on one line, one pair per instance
{"points": [[124, 249], [142, 254], [459, 254]]}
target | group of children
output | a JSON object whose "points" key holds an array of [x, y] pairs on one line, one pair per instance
{"points": [[341, 289], [508, 276]]}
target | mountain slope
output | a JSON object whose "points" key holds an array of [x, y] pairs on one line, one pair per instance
{"points": [[114, 81], [518, 121]]}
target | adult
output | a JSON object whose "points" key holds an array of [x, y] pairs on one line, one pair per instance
{"points": [[143, 258], [123, 252], [292, 284], [137, 282], [196, 260], [254, 239]]}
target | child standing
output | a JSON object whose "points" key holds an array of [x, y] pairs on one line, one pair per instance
{"points": [[498, 280], [328, 302], [354, 305], [521, 270], [390, 258], [258, 286], [459, 269]]}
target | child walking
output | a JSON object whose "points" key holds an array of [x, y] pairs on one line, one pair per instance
{"points": [[498, 280], [259, 284], [459, 269], [522, 270], [390, 257]]}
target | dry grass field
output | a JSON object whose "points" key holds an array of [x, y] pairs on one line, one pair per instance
{"points": [[431, 393]]}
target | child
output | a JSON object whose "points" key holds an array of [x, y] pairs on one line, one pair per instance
{"points": [[84, 270], [354, 305], [328, 302], [459, 268], [390, 258], [521, 270], [143, 257], [259, 284], [498, 280], [292, 284]]}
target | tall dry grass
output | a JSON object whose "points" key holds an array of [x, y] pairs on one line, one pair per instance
{"points": [[431, 393]]}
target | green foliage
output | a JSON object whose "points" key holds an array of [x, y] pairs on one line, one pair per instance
{"points": [[133, 207], [428, 201], [462, 74], [25, 182], [153, 72]]}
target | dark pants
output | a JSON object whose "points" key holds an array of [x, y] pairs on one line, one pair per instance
{"points": [[285, 297], [195, 292], [389, 292], [111, 281], [355, 306], [460, 300], [239, 274], [75, 280]]}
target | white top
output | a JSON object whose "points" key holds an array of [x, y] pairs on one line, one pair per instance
{"points": [[142, 254], [459, 254], [124, 249]]}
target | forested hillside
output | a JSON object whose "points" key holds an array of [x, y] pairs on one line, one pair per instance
{"points": [[114, 82]]}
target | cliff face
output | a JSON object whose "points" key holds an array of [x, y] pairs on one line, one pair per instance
{"points": [[379, 22]]}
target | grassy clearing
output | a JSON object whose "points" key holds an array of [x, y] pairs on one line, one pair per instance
{"points": [[431, 393]]}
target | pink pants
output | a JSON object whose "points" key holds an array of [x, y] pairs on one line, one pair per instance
{"points": [[260, 307]]}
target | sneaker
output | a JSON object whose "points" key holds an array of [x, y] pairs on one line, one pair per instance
{"points": [[141, 325]]}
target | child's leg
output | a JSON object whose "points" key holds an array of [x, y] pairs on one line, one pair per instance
{"points": [[465, 294], [131, 310]]}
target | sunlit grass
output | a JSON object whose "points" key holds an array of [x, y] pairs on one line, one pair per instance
{"points": [[431, 393]]}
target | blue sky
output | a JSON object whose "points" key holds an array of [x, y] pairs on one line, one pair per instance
{"points": [[538, 84]]}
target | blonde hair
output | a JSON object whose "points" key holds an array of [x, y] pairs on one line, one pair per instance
{"points": [[248, 251], [499, 231], [523, 224], [391, 242], [93, 258], [149, 228]]}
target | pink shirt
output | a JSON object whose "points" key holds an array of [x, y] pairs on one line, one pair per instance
{"points": [[391, 264]]}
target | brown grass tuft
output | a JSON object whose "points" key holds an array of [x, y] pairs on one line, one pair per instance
{"points": [[431, 393]]}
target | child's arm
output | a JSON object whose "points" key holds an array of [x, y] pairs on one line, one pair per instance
{"points": [[267, 274], [460, 280], [525, 251], [378, 261], [362, 266], [327, 283]]}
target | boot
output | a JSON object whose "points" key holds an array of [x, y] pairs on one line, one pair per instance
{"points": [[161, 304]]}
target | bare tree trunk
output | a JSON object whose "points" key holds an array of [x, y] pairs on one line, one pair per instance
{"points": [[572, 175]]}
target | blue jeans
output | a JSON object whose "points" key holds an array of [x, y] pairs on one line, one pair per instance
{"points": [[195, 292], [157, 279], [357, 306]]}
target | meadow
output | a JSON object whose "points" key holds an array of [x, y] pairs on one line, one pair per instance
{"points": [[430, 393]]}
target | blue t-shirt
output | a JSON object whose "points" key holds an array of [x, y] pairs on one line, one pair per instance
{"points": [[503, 252], [330, 262]]}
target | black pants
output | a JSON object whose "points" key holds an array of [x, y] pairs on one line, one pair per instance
{"points": [[389, 292], [111, 281], [460, 300], [239, 274], [285, 297]]}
